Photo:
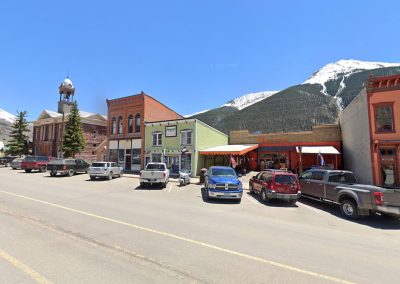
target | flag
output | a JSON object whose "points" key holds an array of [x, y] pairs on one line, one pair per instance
{"points": [[321, 159]]}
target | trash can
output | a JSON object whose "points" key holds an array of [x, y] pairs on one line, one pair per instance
{"points": [[203, 175]]}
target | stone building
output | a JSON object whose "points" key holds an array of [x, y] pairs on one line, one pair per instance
{"points": [[126, 133], [48, 129]]}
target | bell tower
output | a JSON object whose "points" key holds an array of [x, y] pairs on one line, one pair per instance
{"points": [[67, 92]]}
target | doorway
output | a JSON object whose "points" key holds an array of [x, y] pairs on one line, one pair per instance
{"points": [[388, 168], [128, 159]]}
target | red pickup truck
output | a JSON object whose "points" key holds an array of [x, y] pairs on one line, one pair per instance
{"points": [[35, 163]]}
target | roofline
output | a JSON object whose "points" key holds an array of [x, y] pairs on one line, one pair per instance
{"points": [[187, 120]]}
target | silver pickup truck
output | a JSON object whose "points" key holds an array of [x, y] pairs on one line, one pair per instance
{"points": [[355, 199]]}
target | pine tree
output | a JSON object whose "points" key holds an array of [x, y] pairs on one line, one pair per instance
{"points": [[74, 141], [18, 144]]}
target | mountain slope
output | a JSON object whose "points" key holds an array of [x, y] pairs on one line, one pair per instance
{"points": [[317, 101], [249, 99]]}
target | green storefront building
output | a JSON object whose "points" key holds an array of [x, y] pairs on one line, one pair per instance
{"points": [[178, 143]]}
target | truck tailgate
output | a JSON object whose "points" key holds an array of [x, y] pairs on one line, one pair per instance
{"points": [[152, 174], [391, 197]]}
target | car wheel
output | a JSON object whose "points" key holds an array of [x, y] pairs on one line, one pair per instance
{"points": [[164, 185], [43, 169], [14, 168], [110, 176], [28, 170], [264, 196], [53, 174], [70, 172], [120, 174], [251, 191], [92, 177], [238, 200], [292, 202], [142, 184], [348, 208]]}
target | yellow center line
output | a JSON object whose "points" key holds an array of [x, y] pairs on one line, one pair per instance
{"points": [[188, 240], [18, 264]]}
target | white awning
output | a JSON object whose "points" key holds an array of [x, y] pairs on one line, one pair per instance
{"points": [[319, 149]]}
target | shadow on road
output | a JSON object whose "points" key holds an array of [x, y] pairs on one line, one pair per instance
{"points": [[148, 188], [271, 203], [376, 220]]}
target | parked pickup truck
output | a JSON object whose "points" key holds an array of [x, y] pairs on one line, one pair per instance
{"points": [[6, 161], [35, 163], [222, 182], [355, 199], [67, 167], [154, 173]]}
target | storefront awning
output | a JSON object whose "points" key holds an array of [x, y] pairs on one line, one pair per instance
{"points": [[236, 150], [318, 149]]}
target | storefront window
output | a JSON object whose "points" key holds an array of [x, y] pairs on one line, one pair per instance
{"points": [[156, 158], [121, 156], [113, 155], [136, 158], [186, 162]]}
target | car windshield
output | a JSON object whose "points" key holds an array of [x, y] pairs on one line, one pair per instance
{"points": [[99, 165], [346, 178], [285, 179], [155, 167], [223, 172]]}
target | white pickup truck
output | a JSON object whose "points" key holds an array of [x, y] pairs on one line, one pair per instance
{"points": [[154, 173]]}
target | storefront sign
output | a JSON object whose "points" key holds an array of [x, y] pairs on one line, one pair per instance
{"points": [[170, 131]]}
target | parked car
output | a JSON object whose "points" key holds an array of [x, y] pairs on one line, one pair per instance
{"points": [[222, 182], [35, 163], [106, 170], [154, 173], [67, 166], [16, 163], [6, 161], [355, 199], [276, 184]]}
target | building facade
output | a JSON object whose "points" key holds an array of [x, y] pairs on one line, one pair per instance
{"points": [[178, 143], [126, 133], [371, 134], [295, 151], [48, 129]]}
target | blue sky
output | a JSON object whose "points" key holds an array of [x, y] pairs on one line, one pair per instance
{"points": [[190, 55]]}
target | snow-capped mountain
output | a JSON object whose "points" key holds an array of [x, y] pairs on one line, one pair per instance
{"points": [[345, 68], [4, 115], [249, 99], [193, 114]]}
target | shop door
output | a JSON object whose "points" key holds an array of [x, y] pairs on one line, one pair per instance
{"points": [[128, 159], [389, 169]]}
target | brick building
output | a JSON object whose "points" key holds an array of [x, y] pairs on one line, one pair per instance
{"points": [[48, 129], [292, 150], [126, 133], [371, 134]]}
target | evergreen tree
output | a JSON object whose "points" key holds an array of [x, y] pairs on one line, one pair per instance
{"points": [[74, 141], [18, 145]]}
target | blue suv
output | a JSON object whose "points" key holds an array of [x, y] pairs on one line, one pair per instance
{"points": [[222, 182]]}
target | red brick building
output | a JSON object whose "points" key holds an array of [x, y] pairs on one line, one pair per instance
{"points": [[126, 117], [48, 129]]}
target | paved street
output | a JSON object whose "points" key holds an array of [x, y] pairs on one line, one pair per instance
{"points": [[73, 230]]}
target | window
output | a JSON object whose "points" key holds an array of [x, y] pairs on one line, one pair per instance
{"points": [[317, 175], [186, 162], [285, 179], [157, 139], [136, 158], [384, 118], [346, 178], [121, 155], [186, 137], [120, 125], [156, 158], [113, 125], [114, 155], [137, 123], [130, 123]]}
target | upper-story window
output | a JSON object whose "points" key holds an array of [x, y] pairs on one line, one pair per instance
{"points": [[186, 137], [120, 125], [130, 123], [157, 138], [137, 123], [113, 126], [384, 118]]}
